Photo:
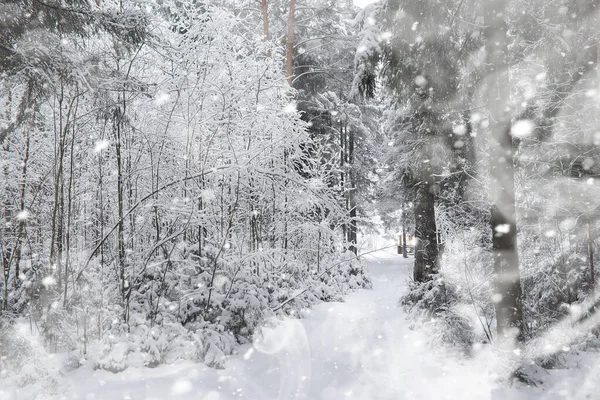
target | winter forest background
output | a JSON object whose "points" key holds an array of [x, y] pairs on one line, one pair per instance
{"points": [[176, 175]]}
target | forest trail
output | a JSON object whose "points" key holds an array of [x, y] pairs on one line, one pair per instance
{"points": [[360, 349]]}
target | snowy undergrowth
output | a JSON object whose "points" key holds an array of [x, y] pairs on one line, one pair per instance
{"points": [[180, 328], [454, 308], [434, 308], [24, 363], [187, 329], [455, 313]]}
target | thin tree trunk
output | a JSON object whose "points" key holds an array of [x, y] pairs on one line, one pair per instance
{"points": [[69, 209], [224, 240], [121, 229], [56, 236], [289, 57], [591, 257], [265, 19], [404, 251], [6, 214], [353, 227], [319, 252], [23, 218], [343, 177]]}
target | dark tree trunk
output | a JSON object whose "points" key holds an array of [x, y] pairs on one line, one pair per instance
{"points": [[121, 224], [590, 237], [404, 251], [426, 248], [508, 295], [23, 188], [353, 226]]}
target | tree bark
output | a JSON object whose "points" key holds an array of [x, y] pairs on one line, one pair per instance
{"points": [[353, 227], [426, 248], [591, 257], [289, 57], [265, 20], [404, 251], [23, 184], [120, 187], [56, 236]]}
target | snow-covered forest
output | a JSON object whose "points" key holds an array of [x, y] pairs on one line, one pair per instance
{"points": [[312, 199]]}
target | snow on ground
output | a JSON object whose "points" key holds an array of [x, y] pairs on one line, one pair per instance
{"points": [[360, 349]]}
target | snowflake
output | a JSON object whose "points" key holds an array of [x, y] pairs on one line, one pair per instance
{"points": [[290, 108], [161, 99], [48, 281], [522, 128], [101, 145]]}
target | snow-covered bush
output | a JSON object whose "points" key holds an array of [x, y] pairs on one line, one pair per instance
{"points": [[183, 328], [431, 306], [456, 307], [25, 363]]}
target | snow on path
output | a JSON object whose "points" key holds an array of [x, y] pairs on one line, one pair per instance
{"points": [[360, 349]]}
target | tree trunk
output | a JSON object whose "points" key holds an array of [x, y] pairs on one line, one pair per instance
{"points": [[404, 251], [591, 257], [289, 57], [70, 205], [57, 209], [426, 248], [23, 217], [121, 229], [508, 295], [265, 20], [353, 227]]}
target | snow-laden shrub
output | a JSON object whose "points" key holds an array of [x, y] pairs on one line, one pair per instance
{"points": [[555, 278], [431, 306], [184, 325], [25, 363], [14, 349], [331, 283], [455, 308], [433, 296], [148, 346]]}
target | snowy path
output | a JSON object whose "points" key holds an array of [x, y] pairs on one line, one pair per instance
{"points": [[360, 349]]}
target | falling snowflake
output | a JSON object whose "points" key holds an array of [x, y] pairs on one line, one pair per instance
{"points": [[420, 81], [503, 228], [290, 108], [550, 233], [181, 386], [249, 353], [460, 129], [49, 281], [361, 49], [523, 128], [161, 99], [101, 145]]}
